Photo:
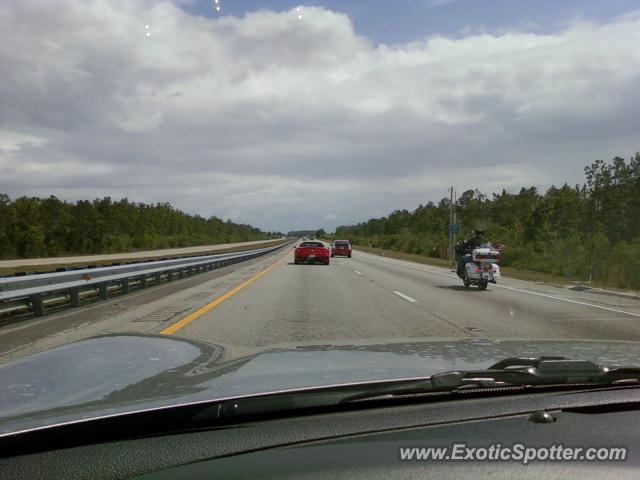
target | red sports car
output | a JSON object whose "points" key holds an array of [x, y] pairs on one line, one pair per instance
{"points": [[341, 247], [312, 252]]}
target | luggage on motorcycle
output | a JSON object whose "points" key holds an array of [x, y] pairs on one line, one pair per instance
{"points": [[497, 274], [486, 254]]}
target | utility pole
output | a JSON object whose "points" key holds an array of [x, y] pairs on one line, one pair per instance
{"points": [[451, 250], [455, 222]]}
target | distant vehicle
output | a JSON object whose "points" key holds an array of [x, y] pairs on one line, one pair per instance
{"points": [[311, 252], [341, 247], [482, 267]]}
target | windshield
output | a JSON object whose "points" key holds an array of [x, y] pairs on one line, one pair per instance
{"points": [[472, 169], [311, 244]]}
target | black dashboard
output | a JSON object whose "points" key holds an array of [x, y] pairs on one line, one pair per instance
{"points": [[366, 443]]}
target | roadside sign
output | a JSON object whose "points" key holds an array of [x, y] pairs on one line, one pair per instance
{"points": [[455, 228]]}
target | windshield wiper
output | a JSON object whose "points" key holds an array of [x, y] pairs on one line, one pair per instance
{"points": [[511, 372], [508, 373]]}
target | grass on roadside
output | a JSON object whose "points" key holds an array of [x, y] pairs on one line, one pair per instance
{"points": [[528, 275]]}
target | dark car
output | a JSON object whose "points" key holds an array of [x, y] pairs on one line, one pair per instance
{"points": [[311, 252], [163, 407], [341, 247]]}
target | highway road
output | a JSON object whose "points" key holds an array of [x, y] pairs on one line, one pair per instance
{"points": [[270, 301], [130, 256]]}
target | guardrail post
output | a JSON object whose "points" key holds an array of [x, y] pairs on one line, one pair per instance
{"points": [[169, 275], [104, 293], [143, 281], [37, 305], [75, 297], [157, 277], [125, 285]]}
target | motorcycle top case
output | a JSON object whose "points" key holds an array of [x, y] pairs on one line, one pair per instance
{"points": [[485, 255]]}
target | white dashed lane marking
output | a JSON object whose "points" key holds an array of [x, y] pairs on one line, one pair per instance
{"points": [[406, 297], [520, 290]]}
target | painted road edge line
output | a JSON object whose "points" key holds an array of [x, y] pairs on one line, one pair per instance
{"points": [[545, 295], [570, 300], [406, 297], [214, 303]]}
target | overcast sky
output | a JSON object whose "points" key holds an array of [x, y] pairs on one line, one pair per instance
{"points": [[329, 115]]}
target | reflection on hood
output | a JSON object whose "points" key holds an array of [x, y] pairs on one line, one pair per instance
{"points": [[120, 373]]}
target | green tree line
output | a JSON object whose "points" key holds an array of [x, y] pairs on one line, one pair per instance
{"points": [[45, 227], [584, 231]]}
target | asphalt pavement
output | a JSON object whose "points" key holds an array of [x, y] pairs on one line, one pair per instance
{"points": [[373, 297], [270, 301]]}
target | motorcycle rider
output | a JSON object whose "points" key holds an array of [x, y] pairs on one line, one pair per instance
{"points": [[465, 249]]}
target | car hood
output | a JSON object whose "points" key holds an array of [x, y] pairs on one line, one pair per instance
{"points": [[117, 374]]}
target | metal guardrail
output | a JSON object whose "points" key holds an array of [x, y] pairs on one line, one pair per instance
{"points": [[21, 282], [20, 294]]}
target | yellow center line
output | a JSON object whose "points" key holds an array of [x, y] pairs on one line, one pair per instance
{"points": [[214, 303]]}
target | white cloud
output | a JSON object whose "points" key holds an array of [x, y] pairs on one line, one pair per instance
{"points": [[441, 3], [286, 123]]}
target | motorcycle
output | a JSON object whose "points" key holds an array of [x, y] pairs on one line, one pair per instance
{"points": [[483, 267]]}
